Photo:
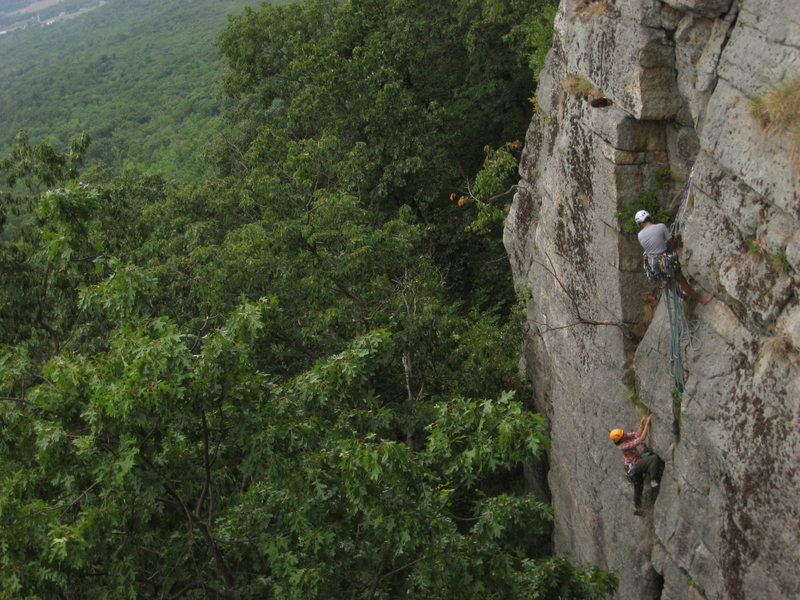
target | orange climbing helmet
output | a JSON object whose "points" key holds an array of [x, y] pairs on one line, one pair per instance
{"points": [[616, 435]]}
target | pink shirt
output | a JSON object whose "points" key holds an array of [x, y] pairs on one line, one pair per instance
{"points": [[628, 447]]}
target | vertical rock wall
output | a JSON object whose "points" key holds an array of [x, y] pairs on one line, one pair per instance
{"points": [[677, 77]]}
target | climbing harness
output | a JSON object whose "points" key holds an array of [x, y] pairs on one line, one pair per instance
{"points": [[660, 268]]}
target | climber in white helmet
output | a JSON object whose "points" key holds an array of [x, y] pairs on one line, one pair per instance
{"points": [[658, 243]]}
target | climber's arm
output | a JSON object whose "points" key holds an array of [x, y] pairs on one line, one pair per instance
{"points": [[644, 428]]}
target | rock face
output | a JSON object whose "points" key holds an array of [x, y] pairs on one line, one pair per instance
{"points": [[677, 78]]}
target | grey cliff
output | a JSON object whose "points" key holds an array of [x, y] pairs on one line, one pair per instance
{"points": [[677, 79]]}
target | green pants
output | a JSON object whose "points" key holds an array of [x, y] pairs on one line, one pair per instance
{"points": [[649, 467]]}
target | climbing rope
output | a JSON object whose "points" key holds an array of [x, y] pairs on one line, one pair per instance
{"points": [[681, 331], [686, 193]]}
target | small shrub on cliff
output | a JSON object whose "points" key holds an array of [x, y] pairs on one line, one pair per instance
{"points": [[778, 110], [539, 33], [647, 200], [578, 85], [677, 401], [780, 261], [493, 183], [756, 247], [625, 215], [586, 9]]}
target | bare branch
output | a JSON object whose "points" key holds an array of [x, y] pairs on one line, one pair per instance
{"points": [[207, 468], [513, 188], [78, 499], [408, 293], [187, 588], [49, 383], [205, 530], [403, 568], [198, 335], [581, 320], [373, 587]]}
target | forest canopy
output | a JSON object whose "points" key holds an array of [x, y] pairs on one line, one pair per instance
{"points": [[136, 75], [297, 377]]}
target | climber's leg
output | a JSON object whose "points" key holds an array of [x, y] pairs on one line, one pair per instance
{"points": [[691, 292], [635, 476]]}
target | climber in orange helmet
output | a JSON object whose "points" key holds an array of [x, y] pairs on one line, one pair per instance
{"points": [[639, 465]]}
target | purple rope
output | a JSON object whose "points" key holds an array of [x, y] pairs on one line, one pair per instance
{"points": [[687, 191]]}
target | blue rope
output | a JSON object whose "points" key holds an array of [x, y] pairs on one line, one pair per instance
{"points": [[681, 331]]}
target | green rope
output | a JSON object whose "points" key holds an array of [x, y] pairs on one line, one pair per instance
{"points": [[681, 331], [672, 295]]}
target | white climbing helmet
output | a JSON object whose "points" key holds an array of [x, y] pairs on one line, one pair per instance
{"points": [[641, 217]]}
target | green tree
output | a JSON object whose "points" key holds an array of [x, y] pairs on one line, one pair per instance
{"points": [[138, 76], [150, 470], [49, 238], [145, 458], [292, 381], [390, 102]]}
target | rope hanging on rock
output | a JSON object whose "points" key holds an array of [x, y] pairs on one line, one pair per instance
{"points": [[680, 329], [686, 193]]}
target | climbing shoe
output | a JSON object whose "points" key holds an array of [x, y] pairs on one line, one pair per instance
{"points": [[637, 512]]}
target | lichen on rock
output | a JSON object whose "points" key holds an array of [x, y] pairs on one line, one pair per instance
{"points": [[680, 76]]}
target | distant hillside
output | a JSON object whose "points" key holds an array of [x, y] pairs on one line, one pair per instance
{"points": [[16, 14], [138, 75]]}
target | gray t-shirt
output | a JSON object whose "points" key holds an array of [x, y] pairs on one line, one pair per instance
{"points": [[654, 238]]}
